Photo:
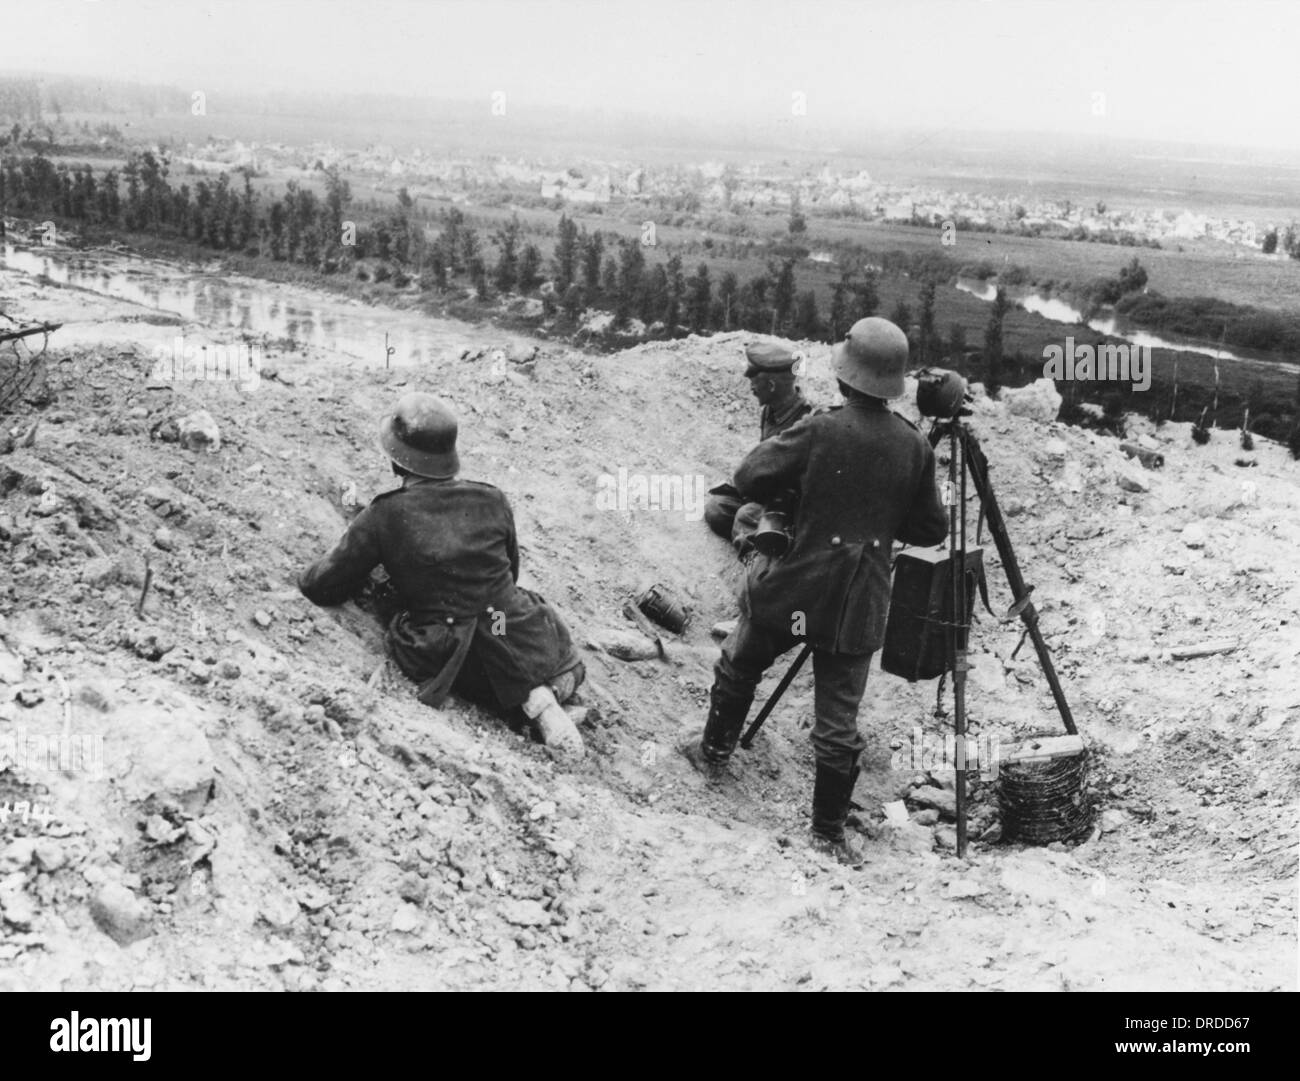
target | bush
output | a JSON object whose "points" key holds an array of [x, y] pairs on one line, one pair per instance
{"points": [[1113, 419], [1103, 291], [982, 271], [1208, 318], [1072, 412]]}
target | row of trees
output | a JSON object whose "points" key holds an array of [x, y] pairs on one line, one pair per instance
{"points": [[299, 226], [451, 253], [586, 269]]}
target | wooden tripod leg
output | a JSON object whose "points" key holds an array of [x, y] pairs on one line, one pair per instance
{"points": [[770, 704], [978, 466]]}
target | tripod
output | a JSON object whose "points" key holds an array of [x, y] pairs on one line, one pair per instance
{"points": [[965, 455]]}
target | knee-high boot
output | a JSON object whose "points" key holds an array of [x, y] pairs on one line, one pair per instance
{"points": [[832, 791], [726, 718]]}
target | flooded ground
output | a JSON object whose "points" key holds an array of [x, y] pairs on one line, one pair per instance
{"points": [[270, 312], [254, 310]]}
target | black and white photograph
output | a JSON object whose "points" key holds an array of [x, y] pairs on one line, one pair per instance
{"points": [[680, 495]]}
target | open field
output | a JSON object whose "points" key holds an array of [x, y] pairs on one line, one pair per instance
{"points": [[1126, 175], [1193, 268]]}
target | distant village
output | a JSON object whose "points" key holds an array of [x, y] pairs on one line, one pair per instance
{"points": [[714, 186]]}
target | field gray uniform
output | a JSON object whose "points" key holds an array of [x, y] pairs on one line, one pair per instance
{"points": [[865, 477], [462, 622]]}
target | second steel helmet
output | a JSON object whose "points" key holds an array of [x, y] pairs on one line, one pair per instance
{"points": [[872, 358]]}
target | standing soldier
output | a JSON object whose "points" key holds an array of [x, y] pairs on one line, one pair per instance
{"points": [[770, 371], [461, 621], [865, 476]]}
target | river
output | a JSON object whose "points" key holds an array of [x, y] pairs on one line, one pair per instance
{"points": [[1060, 312]]}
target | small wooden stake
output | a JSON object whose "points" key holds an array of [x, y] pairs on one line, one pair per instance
{"points": [[144, 590]]}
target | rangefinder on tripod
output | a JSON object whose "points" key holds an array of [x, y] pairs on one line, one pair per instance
{"points": [[942, 394]]}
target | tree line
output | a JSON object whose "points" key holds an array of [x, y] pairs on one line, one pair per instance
{"points": [[586, 269]]}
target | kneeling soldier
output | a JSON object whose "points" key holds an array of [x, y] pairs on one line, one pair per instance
{"points": [[448, 546]]}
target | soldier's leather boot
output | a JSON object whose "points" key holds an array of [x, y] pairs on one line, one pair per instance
{"points": [[711, 751], [555, 726], [832, 791]]}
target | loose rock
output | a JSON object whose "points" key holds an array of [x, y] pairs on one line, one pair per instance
{"points": [[120, 914], [199, 431], [1039, 401], [525, 914]]}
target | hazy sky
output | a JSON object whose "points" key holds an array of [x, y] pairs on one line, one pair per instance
{"points": [[1221, 71]]}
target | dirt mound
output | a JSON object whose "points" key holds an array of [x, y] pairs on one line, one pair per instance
{"points": [[272, 807]]}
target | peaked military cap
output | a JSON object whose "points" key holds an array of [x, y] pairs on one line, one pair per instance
{"points": [[768, 357]]}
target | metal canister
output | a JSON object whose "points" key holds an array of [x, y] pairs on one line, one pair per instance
{"points": [[772, 537], [663, 606]]}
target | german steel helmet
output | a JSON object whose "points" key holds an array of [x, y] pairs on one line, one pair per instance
{"points": [[420, 436], [872, 358]]}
